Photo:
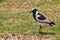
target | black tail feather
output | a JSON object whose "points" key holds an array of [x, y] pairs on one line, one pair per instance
{"points": [[52, 23]]}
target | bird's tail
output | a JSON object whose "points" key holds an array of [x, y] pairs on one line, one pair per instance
{"points": [[52, 23]]}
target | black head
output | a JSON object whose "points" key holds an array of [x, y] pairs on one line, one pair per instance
{"points": [[34, 10]]}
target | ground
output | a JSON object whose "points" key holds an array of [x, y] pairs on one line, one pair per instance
{"points": [[16, 18], [23, 37]]}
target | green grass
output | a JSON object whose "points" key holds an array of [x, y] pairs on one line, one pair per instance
{"points": [[21, 21], [16, 22], [2, 1]]}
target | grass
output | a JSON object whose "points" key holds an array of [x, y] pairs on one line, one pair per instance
{"points": [[17, 18], [2, 1]]}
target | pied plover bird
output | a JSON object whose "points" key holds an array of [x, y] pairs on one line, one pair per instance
{"points": [[41, 19]]}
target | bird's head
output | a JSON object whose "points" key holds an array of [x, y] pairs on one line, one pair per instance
{"points": [[33, 10]]}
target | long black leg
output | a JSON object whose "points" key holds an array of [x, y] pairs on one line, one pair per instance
{"points": [[40, 30]]}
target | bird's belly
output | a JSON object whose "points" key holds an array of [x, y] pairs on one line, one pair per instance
{"points": [[44, 21]]}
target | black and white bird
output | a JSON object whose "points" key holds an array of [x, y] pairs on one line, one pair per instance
{"points": [[41, 18]]}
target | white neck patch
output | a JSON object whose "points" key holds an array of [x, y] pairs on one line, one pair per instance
{"points": [[36, 12]]}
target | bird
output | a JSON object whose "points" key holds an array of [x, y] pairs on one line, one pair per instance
{"points": [[41, 19]]}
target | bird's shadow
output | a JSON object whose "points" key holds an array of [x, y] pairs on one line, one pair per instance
{"points": [[47, 33]]}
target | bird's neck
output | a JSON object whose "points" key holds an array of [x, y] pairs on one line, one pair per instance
{"points": [[36, 12]]}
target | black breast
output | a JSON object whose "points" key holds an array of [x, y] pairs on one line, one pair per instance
{"points": [[34, 16]]}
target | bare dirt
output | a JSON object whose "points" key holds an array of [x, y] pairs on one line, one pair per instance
{"points": [[22, 37]]}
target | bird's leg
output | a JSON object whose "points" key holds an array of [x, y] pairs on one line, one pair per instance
{"points": [[40, 30]]}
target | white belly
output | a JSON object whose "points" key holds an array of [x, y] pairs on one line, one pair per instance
{"points": [[43, 21]]}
